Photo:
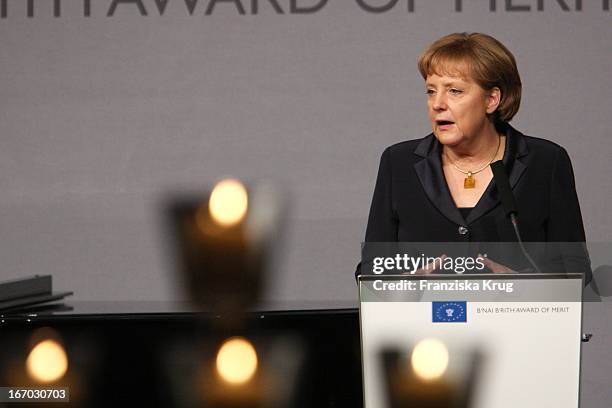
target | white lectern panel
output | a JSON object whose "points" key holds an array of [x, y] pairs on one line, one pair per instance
{"points": [[531, 348]]}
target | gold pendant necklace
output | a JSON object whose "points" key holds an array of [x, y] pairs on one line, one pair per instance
{"points": [[470, 181]]}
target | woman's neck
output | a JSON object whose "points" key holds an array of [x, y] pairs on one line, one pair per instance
{"points": [[477, 150]]}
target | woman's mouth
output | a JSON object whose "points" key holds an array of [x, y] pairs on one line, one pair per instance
{"points": [[444, 124]]}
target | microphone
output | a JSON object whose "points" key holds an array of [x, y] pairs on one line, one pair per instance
{"points": [[505, 191], [509, 205]]}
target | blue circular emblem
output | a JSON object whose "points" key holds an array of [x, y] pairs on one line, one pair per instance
{"points": [[449, 312]]}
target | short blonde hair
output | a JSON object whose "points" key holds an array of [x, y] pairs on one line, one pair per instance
{"points": [[483, 59]]}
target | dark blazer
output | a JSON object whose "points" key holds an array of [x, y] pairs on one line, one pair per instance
{"points": [[412, 202]]}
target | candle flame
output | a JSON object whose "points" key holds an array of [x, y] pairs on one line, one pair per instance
{"points": [[228, 202], [236, 361], [429, 359], [47, 362]]}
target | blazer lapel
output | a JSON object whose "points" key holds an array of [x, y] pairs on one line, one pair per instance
{"points": [[516, 161], [516, 148], [430, 174]]}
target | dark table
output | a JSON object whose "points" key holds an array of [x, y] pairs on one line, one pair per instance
{"points": [[149, 353]]}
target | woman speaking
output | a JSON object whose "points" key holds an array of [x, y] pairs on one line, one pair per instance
{"points": [[441, 189]]}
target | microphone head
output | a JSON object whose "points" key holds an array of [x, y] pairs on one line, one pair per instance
{"points": [[503, 186]]}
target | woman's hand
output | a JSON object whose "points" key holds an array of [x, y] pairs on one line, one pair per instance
{"points": [[429, 268], [494, 266]]}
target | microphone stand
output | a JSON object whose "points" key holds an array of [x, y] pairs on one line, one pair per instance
{"points": [[509, 204]]}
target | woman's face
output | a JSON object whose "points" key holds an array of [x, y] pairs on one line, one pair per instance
{"points": [[458, 108]]}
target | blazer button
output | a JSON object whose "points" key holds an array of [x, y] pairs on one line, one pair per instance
{"points": [[463, 230]]}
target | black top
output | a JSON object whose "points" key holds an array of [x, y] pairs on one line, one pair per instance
{"points": [[412, 202], [465, 211]]}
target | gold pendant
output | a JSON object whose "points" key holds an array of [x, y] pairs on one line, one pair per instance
{"points": [[470, 181]]}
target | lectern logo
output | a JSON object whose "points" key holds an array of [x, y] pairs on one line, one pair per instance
{"points": [[449, 312]]}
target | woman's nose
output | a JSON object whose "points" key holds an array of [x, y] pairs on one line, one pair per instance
{"points": [[439, 102]]}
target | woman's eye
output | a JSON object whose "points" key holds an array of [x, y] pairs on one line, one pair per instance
{"points": [[430, 92], [455, 91]]}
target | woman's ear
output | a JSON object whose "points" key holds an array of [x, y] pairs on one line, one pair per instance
{"points": [[493, 99]]}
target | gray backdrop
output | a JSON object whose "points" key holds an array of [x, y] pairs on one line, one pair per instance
{"points": [[102, 113], [103, 108]]}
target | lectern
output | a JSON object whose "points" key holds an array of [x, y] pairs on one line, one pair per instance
{"points": [[526, 327]]}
